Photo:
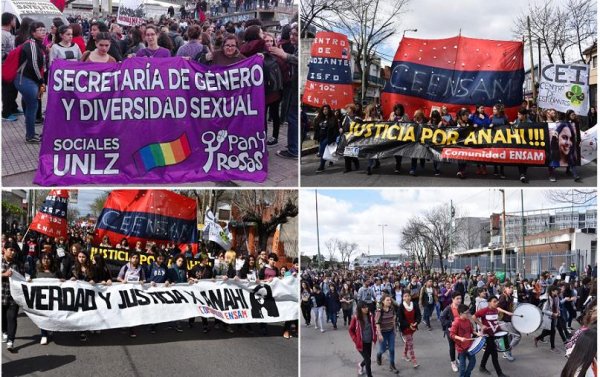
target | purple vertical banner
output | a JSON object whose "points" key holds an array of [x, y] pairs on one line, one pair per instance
{"points": [[153, 121]]}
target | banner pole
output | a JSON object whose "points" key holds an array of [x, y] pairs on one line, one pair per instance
{"points": [[534, 91]]}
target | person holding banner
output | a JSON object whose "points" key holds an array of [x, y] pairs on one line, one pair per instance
{"points": [[498, 119], [101, 54], [522, 121], [46, 269], [10, 309], [228, 55], [153, 50], [480, 119], [199, 272], [350, 117], [132, 272], [100, 29], [325, 127], [462, 122], [372, 115], [100, 270], [82, 271]]}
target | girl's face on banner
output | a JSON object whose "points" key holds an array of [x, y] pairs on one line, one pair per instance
{"points": [[565, 141]]}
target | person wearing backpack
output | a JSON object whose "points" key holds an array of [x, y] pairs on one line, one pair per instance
{"points": [[176, 38], [30, 76], [273, 108], [9, 92]]}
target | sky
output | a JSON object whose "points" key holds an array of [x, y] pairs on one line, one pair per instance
{"points": [[85, 198], [354, 215], [436, 19]]}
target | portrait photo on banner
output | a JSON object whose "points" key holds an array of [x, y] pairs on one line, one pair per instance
{"points": [[140, 271], [449, 102], [142, 97]]}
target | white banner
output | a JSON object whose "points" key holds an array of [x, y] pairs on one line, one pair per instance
{"points": [[565, 87], [589, 146], [79, 306], [214, 232], [131, 12]]}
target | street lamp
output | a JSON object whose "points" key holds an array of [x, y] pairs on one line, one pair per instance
{"points": [[383, 236], [405, 30]]}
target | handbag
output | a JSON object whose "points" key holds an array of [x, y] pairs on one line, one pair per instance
{"points": [[330, 152]]}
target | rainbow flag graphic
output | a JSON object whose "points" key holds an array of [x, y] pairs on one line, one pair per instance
{"points": [[162, 154]]}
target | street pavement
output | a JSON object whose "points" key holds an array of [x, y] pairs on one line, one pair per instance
{"points": [[333, 354], [167, 353], [334, 176], [20, 161]]}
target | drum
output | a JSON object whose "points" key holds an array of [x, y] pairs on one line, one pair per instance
{"points": [[502, 340], [527, 318], [477, 345]]}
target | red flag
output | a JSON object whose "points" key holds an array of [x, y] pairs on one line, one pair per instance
{"points": [[51, 219], [329, 75], [60, 4], [455, 72], [160, 216]]}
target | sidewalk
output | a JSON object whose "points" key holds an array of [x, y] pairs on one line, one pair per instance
{"points": [[20, 161]]}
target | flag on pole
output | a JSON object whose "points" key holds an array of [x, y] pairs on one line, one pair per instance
{"points": [[455, 72], [160, 216], [51, 219], [214, 232]]}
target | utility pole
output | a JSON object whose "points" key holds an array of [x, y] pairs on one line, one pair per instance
{"points": [[523, 232], [318, 243], [503, 231], [383, 236]]}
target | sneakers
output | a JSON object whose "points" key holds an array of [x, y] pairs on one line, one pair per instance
{"points": [[523, 179], [44, 341], [4, 337], [9, 345], [10, 118], [484, 371], [361, 370], [454, 366], [437, 173], [178, 328], [272, 141], [577, 179], [39, 121], [33, 140], [322, 330], [460, 175], [552, 178], [502, 176], [544, 341], [285, 154], [554, 350], [132, 334], [412, 172], [393, 369], [378, 359], [320, 171], [83, 337], [508, 355], [415, 366]]}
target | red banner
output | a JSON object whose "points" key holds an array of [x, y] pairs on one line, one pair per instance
{"points": [[455, 72], [51, 219], [329, 80], [160, 216]]}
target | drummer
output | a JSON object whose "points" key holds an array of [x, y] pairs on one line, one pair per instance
{"points": [[506, 305], [487, 319], [460, 333]]}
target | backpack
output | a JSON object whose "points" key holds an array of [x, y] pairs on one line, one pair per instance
{"points": [[10, 66], [272, 74]]}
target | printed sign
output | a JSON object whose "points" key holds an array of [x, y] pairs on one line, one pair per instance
{"points": [[565, 87]]}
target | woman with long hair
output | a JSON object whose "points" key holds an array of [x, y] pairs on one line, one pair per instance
{"points": [[325, 127], [136, 42], [305, 303], [30, 80], [480, 120], [82, 270], [64, 48], [583, 360], [154, 50], [385, 319], [362, 331], [563, 148], [77, 36], [498, 118], [372, 115], [101, 53], [409, 317]]}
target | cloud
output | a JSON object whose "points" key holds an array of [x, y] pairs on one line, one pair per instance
{"points": [[358, 221]]}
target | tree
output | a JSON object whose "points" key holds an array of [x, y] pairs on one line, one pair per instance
{"points": [[347, 250], [72, 213], [97, 205], [265, 208], [331, 245], [312, 11], [368, 23], [558, 29], [415, 245], [573, 196]]}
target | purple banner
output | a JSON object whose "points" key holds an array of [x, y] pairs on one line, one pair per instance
{"points": [[153, 121]]}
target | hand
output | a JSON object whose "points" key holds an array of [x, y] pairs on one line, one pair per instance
{"points": [[8, 273], [109, 282], [261, 55], [186, 58], [278, 52], [208, 56], [29, 280], [225, 278], [380, 338], [73, 279], [153, 284]]}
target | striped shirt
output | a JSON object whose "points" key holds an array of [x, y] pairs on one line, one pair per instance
{"points": [[385, 320]]}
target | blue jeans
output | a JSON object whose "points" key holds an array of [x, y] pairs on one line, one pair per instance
{"points": [[437, 309], [292, 135], [389, 338], [31, 262], [464, 369], [332, 316], [29, 91], [322, 144], [427, 312]]}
